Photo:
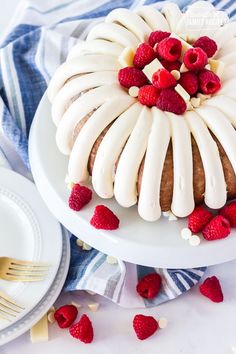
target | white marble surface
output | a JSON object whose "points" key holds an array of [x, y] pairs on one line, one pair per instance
{"points": [[196, 326]]}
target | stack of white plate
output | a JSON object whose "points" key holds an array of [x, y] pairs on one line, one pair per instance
{"points": [[29, 232]]}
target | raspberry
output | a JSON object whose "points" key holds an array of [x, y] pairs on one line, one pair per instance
{"points": [[198, 219], [82, 330], [149, 286], [211, 288], [148, 95], [195, 59], [163, 79], [144, 55], [104, 218], [169, 100], [130, 76], [169, 49], [66, 315], [175, 65], [207, 44], [189, 81], [218, 228], [209, 82], [157, 36], [79, 197], [144, 326], [229, 212]]}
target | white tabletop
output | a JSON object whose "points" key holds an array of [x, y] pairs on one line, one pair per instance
{"points": [[196, 326]]}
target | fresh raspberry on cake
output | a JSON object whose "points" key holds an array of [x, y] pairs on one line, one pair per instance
{"points": [[211, 288], [82, 330], [207, 44], [189, 81], [104, 218], [209, 82], [79, 197], [157, 36], [144, 55], [148, 95], [131, 76], [169, 49], [144, 326], [195, 59], [162, 79], [169, 100], [168, 65], [66, 315], [216, 229], [198, 219], [149, 286], [229, 212]]}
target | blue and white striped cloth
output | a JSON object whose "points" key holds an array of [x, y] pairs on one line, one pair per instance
{"points": [[34, 45]]}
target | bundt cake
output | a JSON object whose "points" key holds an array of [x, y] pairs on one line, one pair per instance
{"points": [[165, 145]]}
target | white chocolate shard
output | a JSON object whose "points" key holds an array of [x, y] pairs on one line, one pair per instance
{"points": [[172, 217], [76, 304], [86, 247], [111, 260], [91, 292], [126, 57], [194, 240], [151, 68], [79, 242], [94, 306], [51, 318], [162, 323], [217, 67], [183, 69], [176, 74], [182, 92], [39, 332], [133, 91], [195, 102], [203, 97]]}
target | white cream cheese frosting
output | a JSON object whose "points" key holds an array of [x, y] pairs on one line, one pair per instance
{"points": [[86, 86]]}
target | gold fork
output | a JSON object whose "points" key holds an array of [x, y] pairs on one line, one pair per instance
{"points": [[25, 271], [9, 309]]}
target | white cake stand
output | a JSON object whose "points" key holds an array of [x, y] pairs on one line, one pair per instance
{"points": [[157, 244]]}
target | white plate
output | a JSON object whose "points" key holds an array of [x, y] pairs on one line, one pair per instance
{"points": [[28, 232], [155, 244], [26, 322]]}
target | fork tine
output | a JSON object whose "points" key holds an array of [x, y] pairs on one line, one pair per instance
{"points": [[24, 277], [28, 269], [7, 308], [29, 263], [10, 301], [3, 317]]}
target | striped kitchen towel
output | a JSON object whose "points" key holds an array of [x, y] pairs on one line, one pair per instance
{"points": [[36, 42]]}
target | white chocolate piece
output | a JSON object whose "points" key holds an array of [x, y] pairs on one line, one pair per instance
{"points": [[51, 318], [166, 214], [186, 233], [133, 91], [39, 332], [182, 92], [162, 322], [151, 68], [111, 260], [189, 106], [183, 68], [176, 74], [86, 247], [94, 306], [195, 102], [203, 97], [76, 304], [217, 67], [79, 242], [70, 186], [194, 240], [52, 309], [126, 57], [90, 292], [172, 217]]}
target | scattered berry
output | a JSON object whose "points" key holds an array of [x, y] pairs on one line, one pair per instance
{"points": [[148, 95], [131, 76], [104, 218], [216, 229], [229, 212], [66, 315], [143, 56], [207, 44], [157, 36], [175, 65], [195, 59], [198, 219], [169, 49], [162, 79], [79, 197], [169, 100], [149, 286], [144, 326], [189, 81], [82, 330], [209, 82], [211, 288]]}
